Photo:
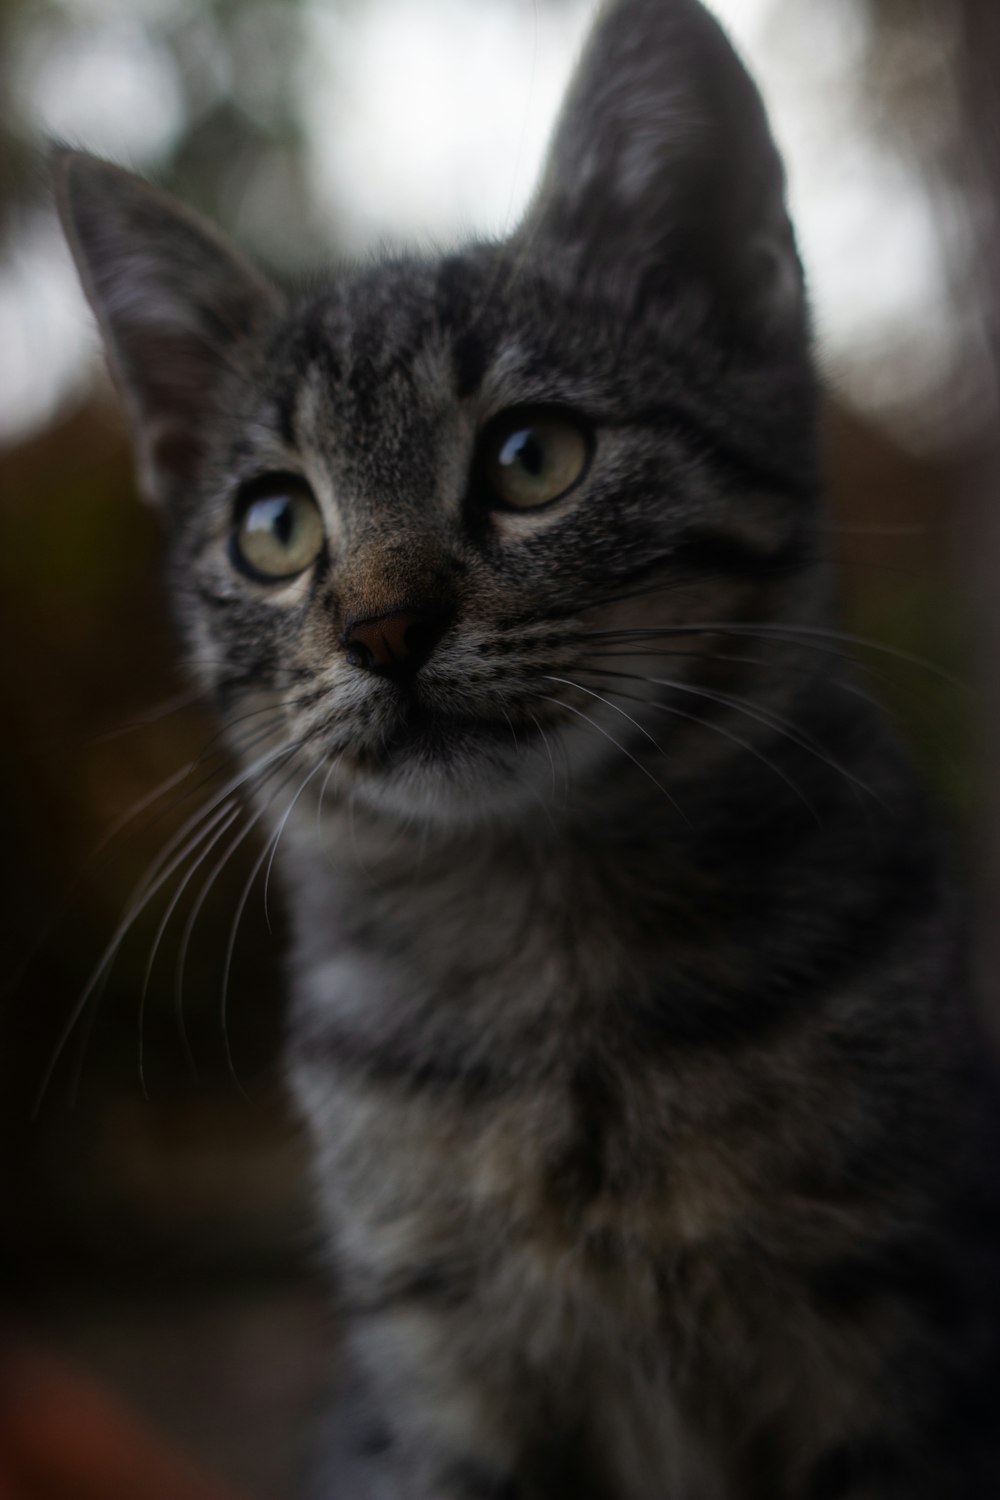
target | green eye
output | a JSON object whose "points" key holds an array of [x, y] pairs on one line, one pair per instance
{"points": [[279, 529], [531, 458]]}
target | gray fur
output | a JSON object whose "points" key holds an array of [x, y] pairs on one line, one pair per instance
{"points": [[652, 1126]]}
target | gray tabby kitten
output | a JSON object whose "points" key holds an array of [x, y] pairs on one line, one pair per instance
{"points": [[653, 1131]]}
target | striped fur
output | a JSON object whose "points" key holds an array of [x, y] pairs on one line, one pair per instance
{"points": [[654, 1135]]}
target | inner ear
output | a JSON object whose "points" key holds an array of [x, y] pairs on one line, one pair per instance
{"points": [[663, 174], [180, 309]]}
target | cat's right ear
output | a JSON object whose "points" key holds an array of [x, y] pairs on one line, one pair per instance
{"points": [[663, 185], [176, 304]]}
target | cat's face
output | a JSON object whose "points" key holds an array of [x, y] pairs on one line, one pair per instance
{"points": [[438, 524]]}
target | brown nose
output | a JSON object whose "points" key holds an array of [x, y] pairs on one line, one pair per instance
{"points": [[397, 643]]}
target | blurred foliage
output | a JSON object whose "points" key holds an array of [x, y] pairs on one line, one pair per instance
{"points": [[232, 143]]}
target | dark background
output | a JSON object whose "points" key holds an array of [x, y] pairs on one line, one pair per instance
{"points": [[155, 1223]]}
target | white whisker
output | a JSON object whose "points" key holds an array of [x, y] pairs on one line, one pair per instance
{"points": [[560, 703]]}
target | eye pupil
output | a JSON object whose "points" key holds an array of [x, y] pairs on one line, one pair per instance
{"points": [[283, 522], [272, 516], [525, 449]]}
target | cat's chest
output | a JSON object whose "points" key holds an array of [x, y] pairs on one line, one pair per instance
{"points": [[476, 1083], [528, 1200], [481, 1017], [473, 955]]}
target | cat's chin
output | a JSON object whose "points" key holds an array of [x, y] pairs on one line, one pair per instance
{"points": [[455, 772], [461, 772], [418, 796], [472, 791]]}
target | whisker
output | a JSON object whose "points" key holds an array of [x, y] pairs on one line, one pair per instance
{"points": [[127, 817], [726, 734], [823, 633], [763, 716], [608, 703], [107, 959], [134, 811], [930, 726], [146, 890], [230, 815], [812, 636], [154, 715], [334, 763], [98, 993], [240, 778], [268, 853], [513, 731], [770, 663], [548, 747], [537, 793], [199, 903], [560, 703], [267, 876]]}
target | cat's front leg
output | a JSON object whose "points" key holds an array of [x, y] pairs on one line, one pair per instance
{"points": [[437, 1400]]}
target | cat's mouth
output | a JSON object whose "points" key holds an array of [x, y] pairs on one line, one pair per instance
{"points": [[440, 737]]}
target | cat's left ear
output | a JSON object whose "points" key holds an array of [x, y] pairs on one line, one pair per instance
{"points": [[177, 305], [663, 180]]}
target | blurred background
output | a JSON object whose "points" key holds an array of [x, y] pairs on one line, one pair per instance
{"points": [[156, 1226]]}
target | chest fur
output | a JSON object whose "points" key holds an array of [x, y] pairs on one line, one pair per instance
{"points": [[493, 1137]]}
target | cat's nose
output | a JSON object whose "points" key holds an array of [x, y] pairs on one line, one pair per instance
{"points": [[396, 643]]}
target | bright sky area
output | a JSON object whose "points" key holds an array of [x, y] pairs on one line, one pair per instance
{"points": [[427, 120]]}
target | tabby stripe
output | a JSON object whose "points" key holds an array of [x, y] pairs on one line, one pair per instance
{"points": [[470, 360], [579, 1174], [438, 1285], [390, 1061], [285, 409], [708, 1018], [745, 469]]}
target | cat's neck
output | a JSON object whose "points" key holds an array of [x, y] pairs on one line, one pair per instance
{"points": [[532, 929], [632, 833]]}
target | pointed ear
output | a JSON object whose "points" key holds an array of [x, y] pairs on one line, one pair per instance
{"points": [[176, 304], [662, 173]]}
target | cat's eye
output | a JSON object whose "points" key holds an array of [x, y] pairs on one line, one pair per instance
{"points": [[529, 458], [279, 530]]}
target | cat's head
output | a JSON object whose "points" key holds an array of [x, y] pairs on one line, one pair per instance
{"points": [[421, 517]]}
